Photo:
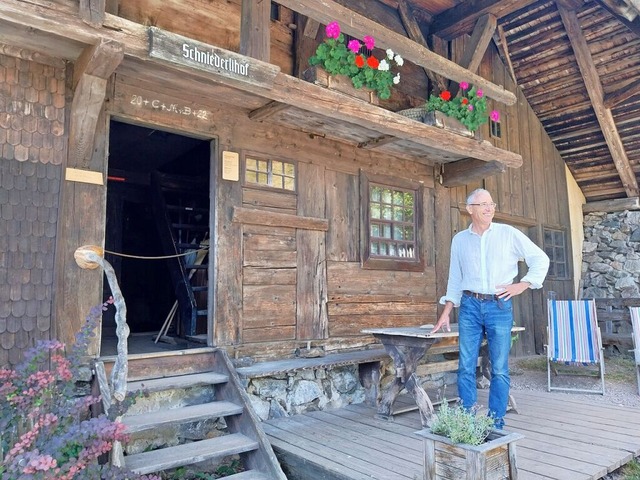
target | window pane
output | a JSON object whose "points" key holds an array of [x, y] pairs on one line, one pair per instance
{"points": [[392, 216], [561, 270], [263, 179], [289, 183], [277, 167]]}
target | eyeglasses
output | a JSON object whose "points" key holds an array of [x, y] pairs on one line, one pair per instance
{"points": [[483, 204]]}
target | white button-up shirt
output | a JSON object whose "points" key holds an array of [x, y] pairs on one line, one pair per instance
{"points": [[480, 263]]}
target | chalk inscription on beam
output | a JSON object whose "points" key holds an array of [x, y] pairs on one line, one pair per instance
{"points": [[217, 62]]}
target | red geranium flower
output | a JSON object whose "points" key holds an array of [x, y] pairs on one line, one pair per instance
{"points": [[465, 101], [445, 95], [359, 61], [373, 62]]}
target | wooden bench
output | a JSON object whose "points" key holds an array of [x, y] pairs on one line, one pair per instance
{"points": [[615, 323], [368, 361]]}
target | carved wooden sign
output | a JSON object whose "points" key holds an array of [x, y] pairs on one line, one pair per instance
{"points": [[222, 65]]}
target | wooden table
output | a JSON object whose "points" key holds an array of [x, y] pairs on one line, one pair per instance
{"points": [[406, 346]]}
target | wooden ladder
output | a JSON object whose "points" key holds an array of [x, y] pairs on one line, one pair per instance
{"points": [[202, 368]]}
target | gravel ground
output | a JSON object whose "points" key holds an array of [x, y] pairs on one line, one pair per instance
{"points": [[621, 388]]}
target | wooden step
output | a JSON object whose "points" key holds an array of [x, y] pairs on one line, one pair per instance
{"points": [[193, 413], [188, 453], [157, 365], [248, 475], [182, 381]]}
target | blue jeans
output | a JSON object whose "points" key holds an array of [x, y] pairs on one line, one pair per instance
{"points": [[493, 318]]}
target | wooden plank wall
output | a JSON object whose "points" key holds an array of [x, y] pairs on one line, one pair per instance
{"points": [[530, 197], [216, 23]]}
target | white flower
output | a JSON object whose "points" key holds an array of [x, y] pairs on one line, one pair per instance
{"points": [[399, 60], [390, 54], [396, 79], [384, 65]]}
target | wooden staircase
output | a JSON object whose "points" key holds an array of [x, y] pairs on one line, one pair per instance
{"points": [[190, 369]]}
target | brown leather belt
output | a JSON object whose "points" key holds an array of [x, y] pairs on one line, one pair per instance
{"points": [[481, 296]]}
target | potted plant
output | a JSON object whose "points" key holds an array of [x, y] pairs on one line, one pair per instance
{"points": [[469, 108], [461, 444], [354, 59]]}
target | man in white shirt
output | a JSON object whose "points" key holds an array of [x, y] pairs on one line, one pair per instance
{"points": [[484, 264]]}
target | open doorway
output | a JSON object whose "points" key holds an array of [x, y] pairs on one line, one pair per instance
{"points": [[158, 206]]}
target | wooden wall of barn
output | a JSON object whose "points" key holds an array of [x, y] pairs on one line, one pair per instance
{"points": [[530, 198], [32, 153]]}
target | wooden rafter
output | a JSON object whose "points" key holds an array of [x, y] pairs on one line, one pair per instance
{"points": [[460, 19], [617, 205], [468, 170], [614, 98], [596, 94], [632, 25], [477, 45], [352, 23], [500, 39], [413, 30]]}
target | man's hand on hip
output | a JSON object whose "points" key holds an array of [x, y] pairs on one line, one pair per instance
{"points": [[511, 290]]}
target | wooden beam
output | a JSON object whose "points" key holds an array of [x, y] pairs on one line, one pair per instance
{"points": [[275, 219], [477, 45], [378, 142], [98, 60], [255, 26], [458, 20], [92, 12], [500, 39], [267, 111], [413, 30], [632, 25], [93, 68], [352, 23], [595, 91], [617, 205], [311, 28], [614, 98], [468, 170]]}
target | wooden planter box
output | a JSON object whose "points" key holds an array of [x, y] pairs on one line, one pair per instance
{"points": [[339, 83], [493, 460], [439, 119]]}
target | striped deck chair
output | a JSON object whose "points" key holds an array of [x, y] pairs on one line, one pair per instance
{"points": [[635, 323], [574, 339]]}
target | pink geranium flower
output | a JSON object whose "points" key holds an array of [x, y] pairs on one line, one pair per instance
{"points": [[495, 116], [354, 46], [369, 42], [333, 30], [464, 85]]}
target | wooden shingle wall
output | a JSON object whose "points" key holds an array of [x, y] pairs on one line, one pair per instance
{"points": [[32, 148]]}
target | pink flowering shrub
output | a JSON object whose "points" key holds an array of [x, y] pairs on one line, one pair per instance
{"points": [[46, 431]]}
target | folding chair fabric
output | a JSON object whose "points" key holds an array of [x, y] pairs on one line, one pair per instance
{"points": [[574, 338], [635, 323]]}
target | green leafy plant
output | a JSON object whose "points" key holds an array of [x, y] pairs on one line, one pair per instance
{"points": [[461, 425], [351, 59], [469, 108]]}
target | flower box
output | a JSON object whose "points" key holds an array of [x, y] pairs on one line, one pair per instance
{"points": [[339, 83], [439, 119], [495, 459]]}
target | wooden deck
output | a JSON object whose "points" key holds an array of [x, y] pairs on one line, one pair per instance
{"points": [[566, 438]]}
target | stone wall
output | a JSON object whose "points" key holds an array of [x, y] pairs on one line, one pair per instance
{"points": [[611, 255], [301, 391]]}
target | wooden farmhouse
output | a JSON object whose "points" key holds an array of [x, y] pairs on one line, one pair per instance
{"points": [[113, 134], [250, 205]]}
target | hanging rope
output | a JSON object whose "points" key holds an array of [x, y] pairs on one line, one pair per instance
{"points": [[81, 251]]}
